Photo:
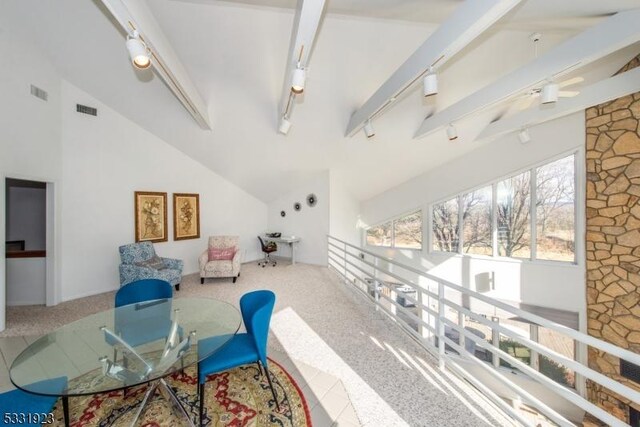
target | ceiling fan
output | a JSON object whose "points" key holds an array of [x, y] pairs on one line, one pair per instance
{"points": [[550, 90]]}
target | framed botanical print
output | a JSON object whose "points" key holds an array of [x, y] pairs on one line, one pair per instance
{"points": [[151, 216], [186, 216]]}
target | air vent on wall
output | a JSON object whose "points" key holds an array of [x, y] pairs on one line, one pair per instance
{"points": [[86, 110], [39, 93], [630, 371]]}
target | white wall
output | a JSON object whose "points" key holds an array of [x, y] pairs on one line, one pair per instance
{"points": [[26, 281], [344, 210], [558, 285], [108, 157], [92, 166], [26, 216], [311, 224], [30, 145]]}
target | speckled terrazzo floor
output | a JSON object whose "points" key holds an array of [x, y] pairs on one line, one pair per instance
{"points": [[330, 331]]}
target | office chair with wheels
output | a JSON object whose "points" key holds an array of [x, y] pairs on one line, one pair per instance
{"points": [[267, 249], [249, 347]]}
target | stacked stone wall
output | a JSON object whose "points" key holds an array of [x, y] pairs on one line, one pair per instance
{"points": [[613, 238]]}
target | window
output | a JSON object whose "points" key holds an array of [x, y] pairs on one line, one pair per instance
{"points": [[379, 235], [407, 231], [403, 233], [513, 213], [445, 226], [476, 222], [500, 217], [555, 211]]}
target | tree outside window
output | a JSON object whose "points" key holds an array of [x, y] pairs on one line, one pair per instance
{"points": [[555, 210], [476, 222], [407, 231], [445, 226], [379, 235]]}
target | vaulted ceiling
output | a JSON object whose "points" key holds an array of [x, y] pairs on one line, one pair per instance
{"points": [[236, 52]]}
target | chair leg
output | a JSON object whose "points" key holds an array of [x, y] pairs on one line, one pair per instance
{"points": [[178, 287], [259, 367], [273, 391], [234, 279], [202, 280], [201, 397]]}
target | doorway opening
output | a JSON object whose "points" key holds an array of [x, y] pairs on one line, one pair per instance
{"points": [[26, 226]]}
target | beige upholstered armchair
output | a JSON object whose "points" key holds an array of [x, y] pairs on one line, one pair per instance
{"points": [[228, 249]]}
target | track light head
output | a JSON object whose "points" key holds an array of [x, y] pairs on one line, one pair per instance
{"points": [[430, 83], [524, 136], [452, 133], [284, 126], [549, 93], [298, 80], [138, 51], [368, 129]]}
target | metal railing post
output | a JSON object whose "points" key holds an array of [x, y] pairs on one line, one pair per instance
{"points": [[376, 294], [534, 361], [495, 340], [441, 329], [344, 259], [461, 337]]}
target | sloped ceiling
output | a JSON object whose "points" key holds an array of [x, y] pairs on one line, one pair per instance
{"points": [[236, 52]]}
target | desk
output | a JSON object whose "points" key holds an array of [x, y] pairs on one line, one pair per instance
{"points": [[164, 338], [292, 241]]}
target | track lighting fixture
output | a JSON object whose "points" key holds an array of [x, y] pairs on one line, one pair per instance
{"points": [[452, 133], [524, 136], [549, 93], [284, 126], [298, 80], [138, 51], [430, 83], [368, 129]]}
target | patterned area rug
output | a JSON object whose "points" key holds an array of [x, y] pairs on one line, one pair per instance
{"points": [[238, 398]]}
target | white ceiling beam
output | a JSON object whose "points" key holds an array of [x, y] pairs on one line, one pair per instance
{"points": [[135, 15], [598, 93], [469, 20], [306, 24], [610, 35]]}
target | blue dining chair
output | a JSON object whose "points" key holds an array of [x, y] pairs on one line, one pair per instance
{"points": [[145, 324], [143, 290], [249, 347], [20, 402]]}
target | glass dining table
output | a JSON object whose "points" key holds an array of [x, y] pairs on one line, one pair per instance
{"points": [[125, 347]]}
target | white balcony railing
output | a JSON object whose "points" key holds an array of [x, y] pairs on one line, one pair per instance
{"points": [[439, 310]]}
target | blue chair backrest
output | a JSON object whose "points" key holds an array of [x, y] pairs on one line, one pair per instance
{"points": [[136, 252], [143, 290], [256, 308]]}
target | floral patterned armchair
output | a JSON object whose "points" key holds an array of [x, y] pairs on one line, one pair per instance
{"points": [[139, 261], [221, 268]]}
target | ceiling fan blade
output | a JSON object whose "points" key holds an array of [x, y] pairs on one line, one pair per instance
{"points": [[573, 81], [568, 93]]}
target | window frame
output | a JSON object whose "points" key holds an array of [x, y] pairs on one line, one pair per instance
{"points": [[392, 220], [578, 225]]}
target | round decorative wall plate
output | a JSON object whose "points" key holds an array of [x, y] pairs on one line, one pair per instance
{"points": [[312, 200], [297, 206], [283, 214]]}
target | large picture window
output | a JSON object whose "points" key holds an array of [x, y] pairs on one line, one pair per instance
{"points": [[530, 215], [445, 226], [404, 232], [476, 222], [379, 235], [555, 210], [513, 212]]}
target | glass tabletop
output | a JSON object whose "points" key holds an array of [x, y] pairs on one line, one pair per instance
{"points": [[125, 346]]}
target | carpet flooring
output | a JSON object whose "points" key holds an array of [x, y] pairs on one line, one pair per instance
{"points": [[390, 380]]}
